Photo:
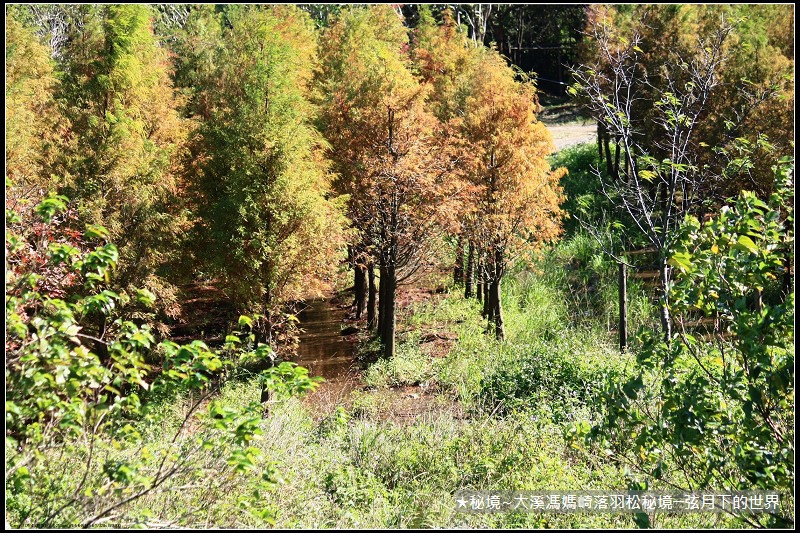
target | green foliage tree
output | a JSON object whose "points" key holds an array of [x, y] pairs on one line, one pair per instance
{"points": [[267, 227], [124, 141], [194, 46], [718, 412]]}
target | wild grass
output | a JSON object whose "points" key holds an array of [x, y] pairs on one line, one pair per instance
{"points": [[501, 416], [517, 400]]}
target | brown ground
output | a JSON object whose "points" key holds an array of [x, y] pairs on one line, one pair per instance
{"points": [[402, 404], [206, 314]]}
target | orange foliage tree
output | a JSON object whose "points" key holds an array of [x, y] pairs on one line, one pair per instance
{"points": [[446, 59], [692, 95], [516, 195], [386, 146]]}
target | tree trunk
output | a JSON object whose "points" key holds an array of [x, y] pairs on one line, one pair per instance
{"points": [[458, 267], [372, 302], [787, 276], [666, 320], [264, 394], [268, 316], [479, 279], [487, 305], [607, 147], [469, 280], [389, 320], [496, 297], [360, 289], [623, 307], [600, 141], [264, 389], [381, 301], [267, 338], [627, 169], [604, 144]]}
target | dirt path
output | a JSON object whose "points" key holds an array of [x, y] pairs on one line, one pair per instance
{"points": [[570, 134], [566, 123]]}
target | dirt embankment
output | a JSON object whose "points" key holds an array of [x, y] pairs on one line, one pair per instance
{"points": [[566, 135]]}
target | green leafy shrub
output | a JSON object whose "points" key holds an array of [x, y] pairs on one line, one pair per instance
{"points": [[77, 388], [719, 409], [562, 375], [409, 366]]}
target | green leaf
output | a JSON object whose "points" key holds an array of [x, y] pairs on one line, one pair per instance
{"points": [[746, 243], [51, 205], [95, 231], [646, 175], [145, 297], [681, 260]]}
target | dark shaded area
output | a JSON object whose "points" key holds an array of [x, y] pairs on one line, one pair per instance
{"points": [[540, 39], [206, 313]]}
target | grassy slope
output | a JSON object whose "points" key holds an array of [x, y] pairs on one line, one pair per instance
{"points": [[491, 416], [454, 409]]}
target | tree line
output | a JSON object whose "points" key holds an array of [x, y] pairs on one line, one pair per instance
{"points": [[256, 144], [248, 144]]}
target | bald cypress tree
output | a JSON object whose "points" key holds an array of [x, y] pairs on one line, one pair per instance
{"points": [[269, 230], [386, 145], [34, 127], [125, 139]]}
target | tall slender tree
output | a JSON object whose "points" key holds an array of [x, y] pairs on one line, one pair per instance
{"points": [[447, 59], [34, 127], [270, 231], [124, 140], [385, 144], [517, 194]]}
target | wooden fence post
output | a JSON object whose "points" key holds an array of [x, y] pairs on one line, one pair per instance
{"points": [[623, 307]]}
